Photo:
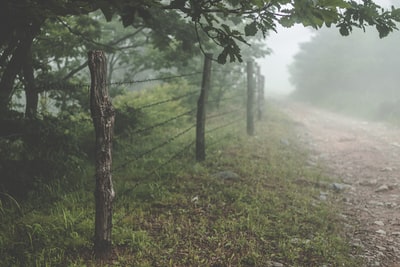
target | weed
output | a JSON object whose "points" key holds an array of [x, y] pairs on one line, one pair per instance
{"points": [[182, 214]]}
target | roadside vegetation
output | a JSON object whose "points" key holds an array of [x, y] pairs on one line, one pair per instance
{"points": [[251, 203]]}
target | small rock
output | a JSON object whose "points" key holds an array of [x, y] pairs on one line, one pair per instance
{"points": [[380, 223], [376, 203], [340, 187], [381, 232], [381, 248], [227, 175], [285, 142], [387, 169], [382, 188], [368, 183], [323, 196], [396, 233], [275, 264], [390, 204], [195, 199], [396, 144]]}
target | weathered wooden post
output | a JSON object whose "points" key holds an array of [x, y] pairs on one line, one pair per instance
{"points": [[201, 109], [250, 97], [103, 115], [260, 93]]}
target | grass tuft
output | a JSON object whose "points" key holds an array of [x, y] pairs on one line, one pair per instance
{"points": [[187, 215]]}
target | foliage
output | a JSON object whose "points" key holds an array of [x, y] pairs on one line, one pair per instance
{"points": [[25, 41], [185, 215], [43, 151], [356, 74]]}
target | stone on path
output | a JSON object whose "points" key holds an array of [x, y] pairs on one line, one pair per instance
{"points": [[227, 175], [382, 188], [381, 232]]}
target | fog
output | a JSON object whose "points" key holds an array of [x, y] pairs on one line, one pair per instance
{"points": [[285, 44]]}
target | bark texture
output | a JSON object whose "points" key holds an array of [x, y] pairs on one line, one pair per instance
{"points": [[103, 115]]}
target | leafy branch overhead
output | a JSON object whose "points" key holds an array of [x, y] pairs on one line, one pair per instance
{"points": [[171, 25], [226, 22], [220, 20]]}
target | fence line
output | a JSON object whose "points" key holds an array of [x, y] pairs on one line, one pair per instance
{"points": [[136, 157], [174, 156], [131, 158], [224, 136], [166, 100], [225, 99], [224, 125], [163, 122], [223, 113], [156, 79]]}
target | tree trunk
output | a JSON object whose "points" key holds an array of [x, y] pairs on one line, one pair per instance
{"points": [[201, 110], [31, 94], [16, 63], [250, 97], [103, 114]]}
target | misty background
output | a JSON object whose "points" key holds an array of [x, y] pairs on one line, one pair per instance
{"points": [[356, 74]]}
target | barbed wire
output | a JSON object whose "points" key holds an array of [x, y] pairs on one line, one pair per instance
{"points": [[165, 163], [168, 141], [214, 141], [226, 98], [169, 160], [224, 125], [163, 122], [156, 79], [175, 98], [227, 71], [224, 113], [65, 86], [174, 156]]}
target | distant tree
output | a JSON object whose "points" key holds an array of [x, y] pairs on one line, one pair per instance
{"points": [[356, 74]]}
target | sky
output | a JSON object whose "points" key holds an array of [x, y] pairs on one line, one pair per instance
{"points": [[285, 44]]}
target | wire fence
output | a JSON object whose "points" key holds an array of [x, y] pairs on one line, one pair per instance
{"points": [[168, 139], [132, 157], [183, 140]]}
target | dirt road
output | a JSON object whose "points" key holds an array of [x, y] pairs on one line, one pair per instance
{"points": [[366, 157]]}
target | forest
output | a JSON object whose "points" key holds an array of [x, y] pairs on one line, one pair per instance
{"points": [[354, 75], [236, 207]]}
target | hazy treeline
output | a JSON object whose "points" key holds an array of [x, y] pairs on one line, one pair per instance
{"points": [[357, 74]]}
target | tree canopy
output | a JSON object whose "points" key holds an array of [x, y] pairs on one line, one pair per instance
{"points": [[177, 23]]}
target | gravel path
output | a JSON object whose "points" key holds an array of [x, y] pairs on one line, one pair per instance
{"points": [[366, 157]]}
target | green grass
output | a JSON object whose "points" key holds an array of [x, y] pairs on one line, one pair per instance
{"points": [[184, 215]]}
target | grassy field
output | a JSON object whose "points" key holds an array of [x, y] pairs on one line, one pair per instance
{"points": [[191, 214]]}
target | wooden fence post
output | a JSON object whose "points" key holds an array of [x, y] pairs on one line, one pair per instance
{"points": [[262, 97], [260, 93], [201, 109], [250, 97], [103, 115]]}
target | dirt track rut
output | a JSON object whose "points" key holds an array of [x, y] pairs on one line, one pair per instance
{"points": [[365, 156]]}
